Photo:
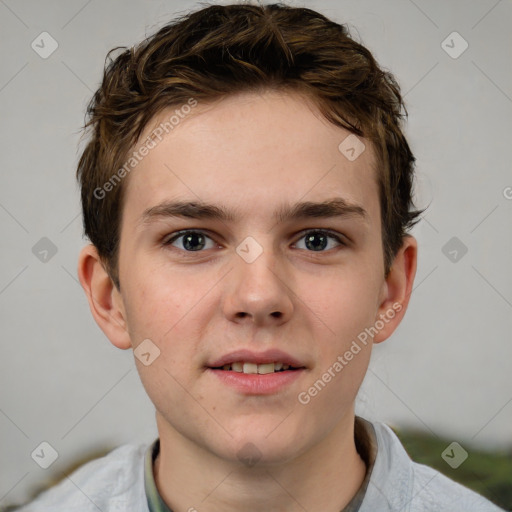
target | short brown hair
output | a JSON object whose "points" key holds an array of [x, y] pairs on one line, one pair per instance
{"points": [[218, 51]]}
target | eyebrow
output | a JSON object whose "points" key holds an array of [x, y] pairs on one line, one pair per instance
{"points": [[336, 207]]}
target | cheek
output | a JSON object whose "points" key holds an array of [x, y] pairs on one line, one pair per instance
{"points": [[173, 313], [345, 301], [157, 312], [157, 303], [346, 305]]}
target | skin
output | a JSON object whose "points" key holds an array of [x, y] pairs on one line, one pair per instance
{"points": [[251, 153]]}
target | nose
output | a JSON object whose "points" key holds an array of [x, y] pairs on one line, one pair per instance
{"points": [[258, 292]]}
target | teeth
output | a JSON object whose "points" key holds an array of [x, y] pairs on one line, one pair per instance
{"points": [[266, 368], [237, 367], [253, 368], [250, 368]]}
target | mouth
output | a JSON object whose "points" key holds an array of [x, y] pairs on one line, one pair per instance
{"points": [[259, 369], [261, 363], [252, 373]]}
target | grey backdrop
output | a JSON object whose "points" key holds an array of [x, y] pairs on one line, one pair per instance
{"points": [[447, 369]]}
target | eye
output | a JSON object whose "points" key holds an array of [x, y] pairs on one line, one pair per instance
{"points": [[190, 241], [319, 240]]}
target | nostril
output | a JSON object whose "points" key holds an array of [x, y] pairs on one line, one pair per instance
{"points": [[275, 314]]}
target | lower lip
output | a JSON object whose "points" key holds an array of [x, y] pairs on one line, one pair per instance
{"points": [[256, 384]]}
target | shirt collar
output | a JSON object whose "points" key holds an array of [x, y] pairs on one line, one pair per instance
{"points": [[366, 446], [155, 501]]}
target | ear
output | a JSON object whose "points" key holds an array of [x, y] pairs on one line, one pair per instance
{"points": [[105, 301], [396, 290]]}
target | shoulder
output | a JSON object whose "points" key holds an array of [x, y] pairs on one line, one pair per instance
{"points": [[434, 491], [412, 487], [111, 483]]}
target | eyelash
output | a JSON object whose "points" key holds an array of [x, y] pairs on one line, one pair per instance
{"points": [[175, 236]]}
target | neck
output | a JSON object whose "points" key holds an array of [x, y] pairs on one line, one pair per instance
{"points": [[325, 477]]}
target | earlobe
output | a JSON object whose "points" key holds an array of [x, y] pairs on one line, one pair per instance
{"points": [[397, 289], [105, 300]]}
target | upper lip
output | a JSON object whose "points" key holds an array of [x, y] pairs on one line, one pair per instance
{"points": [[248, 356]]}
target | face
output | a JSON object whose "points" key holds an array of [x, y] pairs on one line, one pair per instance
{"points": [[278, 260]]}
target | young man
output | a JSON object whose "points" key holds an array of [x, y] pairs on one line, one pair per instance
{"points": [[247, 193]]}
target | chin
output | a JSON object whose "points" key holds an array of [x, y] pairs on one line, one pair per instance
{"points": [[266, 446]]}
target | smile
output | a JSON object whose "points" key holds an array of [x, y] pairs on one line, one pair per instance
{"points": [[253, 368]]}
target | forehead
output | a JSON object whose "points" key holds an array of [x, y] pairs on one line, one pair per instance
{"points": [[253, 151]]}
